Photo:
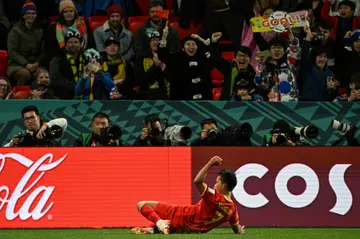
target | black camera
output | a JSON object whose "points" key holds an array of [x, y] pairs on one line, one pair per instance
{"points": [[152, 119], [211, 133], [28, 138], [238, 135], [110, 134]]}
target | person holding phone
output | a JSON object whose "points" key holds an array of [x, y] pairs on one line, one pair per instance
{"points": [[94, 84]]}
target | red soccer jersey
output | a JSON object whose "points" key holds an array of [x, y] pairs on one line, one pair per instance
{"points": [[210, 212]]}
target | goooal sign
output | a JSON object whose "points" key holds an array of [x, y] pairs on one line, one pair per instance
{"points": [[77, 187], [100, 187], [293, 187]]}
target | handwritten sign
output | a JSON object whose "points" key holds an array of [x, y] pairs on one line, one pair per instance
{"points": [[277, 20]]}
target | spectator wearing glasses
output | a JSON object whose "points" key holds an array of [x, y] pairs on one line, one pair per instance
{"points": [[25, 47], [5, 88]]}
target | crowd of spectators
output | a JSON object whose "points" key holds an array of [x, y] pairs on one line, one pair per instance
{"points": [[67, 60]]}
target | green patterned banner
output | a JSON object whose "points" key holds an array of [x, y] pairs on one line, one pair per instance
{"points": [[129, 115]]}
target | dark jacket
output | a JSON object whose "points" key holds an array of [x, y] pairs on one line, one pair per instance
{"points": [[314, 79], [347, 64], [24, 47], [62, 78], [142, 47], [308, 4], [190, 76]]}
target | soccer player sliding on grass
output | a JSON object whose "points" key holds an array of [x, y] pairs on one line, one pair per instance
{"points": [[215, 207]]}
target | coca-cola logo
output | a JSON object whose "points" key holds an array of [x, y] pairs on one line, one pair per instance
{"points": [[10, 199], [336, 179]]}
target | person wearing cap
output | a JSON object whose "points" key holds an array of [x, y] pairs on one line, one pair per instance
{"points": [[55, 38], [40, 88], [66, 69], [244, 92], [276, 75], [94, 84], [141, 43], [151, 74], [319, 82], [348, 60], [279, 135], [24, 46], [115, 29], [119, 70]]}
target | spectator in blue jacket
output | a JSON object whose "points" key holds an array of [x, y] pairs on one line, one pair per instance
{"points": [[319, 81], [94, 84]]}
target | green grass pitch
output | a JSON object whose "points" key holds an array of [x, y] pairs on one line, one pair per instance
{"points": [[251, 233]]}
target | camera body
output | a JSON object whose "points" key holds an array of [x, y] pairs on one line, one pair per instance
{"points": [[28, 138], [237, 135], [110, 135], [211, 133]]}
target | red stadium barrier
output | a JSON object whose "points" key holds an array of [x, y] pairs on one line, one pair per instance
{"points": [[99, 187], [72, 187]]}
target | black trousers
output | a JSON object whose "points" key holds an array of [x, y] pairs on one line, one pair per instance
{"points": [[227, 21]]}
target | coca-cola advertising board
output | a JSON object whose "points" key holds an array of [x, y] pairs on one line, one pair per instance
{"points": [[88, 187], [290, 187]]}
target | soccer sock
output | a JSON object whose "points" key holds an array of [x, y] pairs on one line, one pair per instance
{"points": [[149, 213]]}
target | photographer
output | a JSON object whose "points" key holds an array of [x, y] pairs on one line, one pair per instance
{"points": [[103, 134], [151, 134], [347, 132], [284, 134], [279, 135], [38, 133], [210, 135]]}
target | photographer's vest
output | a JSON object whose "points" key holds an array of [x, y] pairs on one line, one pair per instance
{"points": [[86, 139], [267, 139]]}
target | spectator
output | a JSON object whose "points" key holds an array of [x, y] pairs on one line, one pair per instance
{"points": [[5, 88], [39, 89], [276, 76], [55, 39], [4, 27], [151, 76], [353, 94], [343, 23], [319, 81], [120, 72], [94, 84], [260, 6], [113, 28], [348, 61], [335, 5], [189, 69], [244, 91], [24, 46], [142, 47], [235, 71], [66, 69]]}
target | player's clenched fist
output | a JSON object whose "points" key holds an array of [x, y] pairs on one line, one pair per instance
{"points": [[216, 160]]}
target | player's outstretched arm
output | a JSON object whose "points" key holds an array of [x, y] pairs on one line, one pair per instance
{"points": [[237, 228], [200, 177]]}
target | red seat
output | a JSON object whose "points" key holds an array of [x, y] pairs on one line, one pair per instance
{"points": [[217, 78], [97, 21], [21, 94], [216, 93], [225, 42], [184, 32], [17, 89], [135, 26], [3, 63], [228, 55], [134, 19]]}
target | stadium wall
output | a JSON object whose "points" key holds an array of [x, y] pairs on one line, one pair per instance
{"points": [[100, 187], [130, 115]]}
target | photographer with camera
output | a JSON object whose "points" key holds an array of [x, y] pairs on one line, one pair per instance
{"points": [[347, 131], [284, 134], [103, 133], [151, 134], [210, 134], [38, 133]]}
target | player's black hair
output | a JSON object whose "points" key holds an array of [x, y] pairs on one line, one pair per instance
{"points": [[29, 108], [100, 115], [228, 177], [208, 121]]}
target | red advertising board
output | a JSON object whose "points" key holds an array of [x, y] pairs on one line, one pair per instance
{"points": [[88, 187], [290, 187]]}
